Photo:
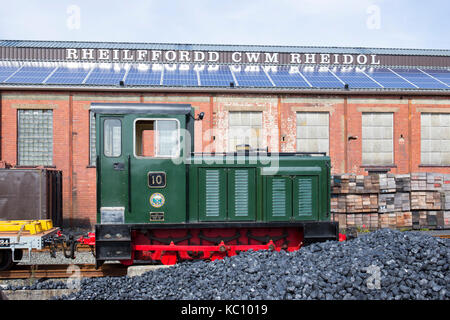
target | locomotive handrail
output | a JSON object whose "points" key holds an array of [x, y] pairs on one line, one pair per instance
{"points": [[258, 152], [99, 181], [129, 183]]}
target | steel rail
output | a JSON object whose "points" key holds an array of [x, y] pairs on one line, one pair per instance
{"points": [[63, 271]]}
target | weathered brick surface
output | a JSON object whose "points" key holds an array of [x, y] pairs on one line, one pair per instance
{"points": [[279, 130]]}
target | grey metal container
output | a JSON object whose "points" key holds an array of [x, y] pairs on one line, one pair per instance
{"points": [[30, 194]]}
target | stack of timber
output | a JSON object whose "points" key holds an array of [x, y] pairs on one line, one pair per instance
{"points": [[446, 192], [355, 200], [361, 203], [429, 192], [387, 183], [401, 201], [426, 200], [403, 182], [418, 181], [427, 181], [338, 203], [393, 202], [351, 183]]}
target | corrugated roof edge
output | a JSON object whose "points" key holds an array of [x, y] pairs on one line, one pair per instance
{"points": [[185, 89], [220, 47]]}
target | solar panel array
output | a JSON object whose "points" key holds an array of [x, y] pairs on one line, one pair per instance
{"points": [[30, 75], [65, 75], [106, 76], [251, 76]]}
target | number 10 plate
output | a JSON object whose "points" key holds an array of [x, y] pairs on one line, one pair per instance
{"points": [[157, 179]]}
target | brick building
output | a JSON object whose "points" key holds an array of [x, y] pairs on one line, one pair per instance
{"points": [[380, 109]]}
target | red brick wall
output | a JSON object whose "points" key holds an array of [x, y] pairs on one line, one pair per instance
{"points": [[59, 103], [71, 138], [84, 176]]}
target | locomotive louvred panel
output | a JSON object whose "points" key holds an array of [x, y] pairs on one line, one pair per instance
{"points": [[279, 199], [212, 198], [305, 197], [241, 194]]}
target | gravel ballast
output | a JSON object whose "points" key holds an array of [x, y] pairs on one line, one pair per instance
{"points": [[385, 264]]}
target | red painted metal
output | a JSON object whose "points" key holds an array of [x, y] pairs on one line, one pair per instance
{"points": [[198, 246], [90, 240]]}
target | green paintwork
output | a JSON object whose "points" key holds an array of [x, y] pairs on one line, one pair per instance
{"points": [[211, 188], [115, 189]]}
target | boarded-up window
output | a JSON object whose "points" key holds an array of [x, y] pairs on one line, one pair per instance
{"points": [[435, 138], [313, 132], [35, 137], [377, 138], [244, 129]]}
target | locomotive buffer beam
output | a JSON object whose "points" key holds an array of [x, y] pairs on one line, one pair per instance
{"points": [[112, 242]]}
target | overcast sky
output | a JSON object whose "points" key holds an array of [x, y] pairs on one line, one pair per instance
{"points": [[359, 23]]}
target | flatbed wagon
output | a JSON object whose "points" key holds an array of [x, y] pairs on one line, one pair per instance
{"points": [[19, 236]]}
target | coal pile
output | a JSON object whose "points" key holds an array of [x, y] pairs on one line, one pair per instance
{"points": [[41, 284], [385, 264]]}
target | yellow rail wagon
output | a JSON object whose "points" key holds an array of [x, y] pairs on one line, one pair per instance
{"points": [[16, 236]]}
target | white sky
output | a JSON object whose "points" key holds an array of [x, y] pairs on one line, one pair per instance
{"points": [[359, 23]]}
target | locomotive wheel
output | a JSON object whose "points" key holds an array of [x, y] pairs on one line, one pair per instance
{"points": [[6, 260]]}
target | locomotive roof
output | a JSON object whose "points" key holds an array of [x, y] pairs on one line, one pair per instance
{"points": [[147, 108]]}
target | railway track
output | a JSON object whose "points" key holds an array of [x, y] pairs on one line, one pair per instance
{"points": [[63, 271], [88, 270], [444, 234], [80, 248]]}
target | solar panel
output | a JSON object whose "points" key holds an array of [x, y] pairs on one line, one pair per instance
{"points": [[31, 75], [223, 75], [144, 75], [65, 75], [442, 75], [106, 76], [173, 76], [251, 76], [5, 72], [287, 77], [217, 76], [420, 79], [388, 79], [321, 77], [356, 78]]}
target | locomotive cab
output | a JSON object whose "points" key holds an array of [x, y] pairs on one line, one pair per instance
{"points": [[140, 169]]}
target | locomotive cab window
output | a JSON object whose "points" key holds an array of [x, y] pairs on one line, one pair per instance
{"points": [[112, 136], [157, 138]]}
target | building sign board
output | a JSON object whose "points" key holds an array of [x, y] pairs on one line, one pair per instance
{"points": [[183, 56]]}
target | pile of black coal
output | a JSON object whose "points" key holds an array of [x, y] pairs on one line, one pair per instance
{"points": [[385, 264]]}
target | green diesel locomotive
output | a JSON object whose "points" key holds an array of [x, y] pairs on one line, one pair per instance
{"points": [[158, 201]]}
